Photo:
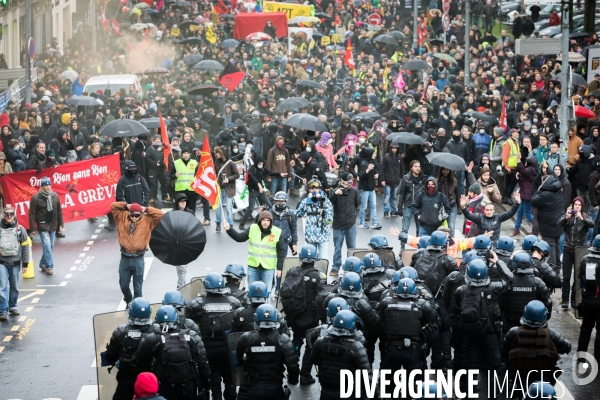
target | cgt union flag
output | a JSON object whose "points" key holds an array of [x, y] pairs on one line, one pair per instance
{"points": [[205, 182], [85, 188]]}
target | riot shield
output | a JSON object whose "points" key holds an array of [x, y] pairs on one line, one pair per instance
{"points": [[322, 265], [104, 325], [350, 252], [237, 371], [407, 256], [387, 256], [193, 289], [580, 252]]}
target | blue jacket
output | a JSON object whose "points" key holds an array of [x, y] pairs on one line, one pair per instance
{"points": [[288, 223], [319, 214]]}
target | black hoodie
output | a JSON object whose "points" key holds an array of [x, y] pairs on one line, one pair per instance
{"points": [[132, 188], [178, 197], [49, 131], [428, 206], [367, 180]]}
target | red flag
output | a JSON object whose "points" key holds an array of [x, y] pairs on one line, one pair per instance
{"points": [[165, 141], [116, 27], [205, 182], [221, 8], [503, 120], [230, 81], [349, 59], [424, 95]]}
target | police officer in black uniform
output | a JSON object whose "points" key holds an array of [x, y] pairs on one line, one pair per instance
{"points": [[533, 347], [382, 248], [589, 278], [376, 278], [178, 357], [411, 273], [264, 353], [539, 252], [480, 314], [351, 290], [403, 318], [175, 299], [504, 249], [435, 265], [123, 346], [234, 275], [352, 264], [336, 305], [336, 351], [206, 312], [299, 323], [451, 283], [524, 288], [243, 318]]}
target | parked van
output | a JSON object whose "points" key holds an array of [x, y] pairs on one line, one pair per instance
{"points": [[113, 82]]}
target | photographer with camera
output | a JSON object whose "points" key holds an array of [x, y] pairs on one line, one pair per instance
{"points": [[346, 201], [319, 212], [490, 220]]}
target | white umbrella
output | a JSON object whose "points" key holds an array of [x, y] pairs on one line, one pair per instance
{"points": [[69, 74]]}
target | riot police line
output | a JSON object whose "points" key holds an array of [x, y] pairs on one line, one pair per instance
{"points": [[488, 314]]}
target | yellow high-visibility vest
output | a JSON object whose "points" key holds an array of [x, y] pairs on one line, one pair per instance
{"points": [[263, 251], [186, 174]]}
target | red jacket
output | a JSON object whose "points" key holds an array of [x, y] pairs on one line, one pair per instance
{"points": [[554, 20]]}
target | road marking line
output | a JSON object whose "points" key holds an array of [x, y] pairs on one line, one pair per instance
{"points": [[105, 220], [73, 269], [100, 225], [22, 318], [29, 309], [91, 242], [88, 392], [86, 249], [34, 301], [567, 395], [15, 328], [97, 231], [94, 363], [7, 339], [68, 276], [77, 261], [81, 255], [35, 293], [147, 265], [1, 349], [94, 236], [63, 284]]}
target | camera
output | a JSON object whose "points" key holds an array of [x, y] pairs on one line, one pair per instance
{"points": [[486, 255], [573, 212]]}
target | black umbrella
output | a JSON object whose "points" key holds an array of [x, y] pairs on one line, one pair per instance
{"points": [[178, 239], [309, 83], [291, 103], [577, 35], [203, 89], [405, 138], [447, 160], [479, 115], [124, 128], [386, 39], [323, 15], [186, 25], [397, 35], [305, 121], [193, 59], [209, 65], [415, 65], [191, 40], [152, 123], [587, 49], [180, 4], [229, 43], [82, 101], [576, 79]]}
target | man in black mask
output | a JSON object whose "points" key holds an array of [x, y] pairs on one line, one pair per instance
{"points": [[131, 188]]}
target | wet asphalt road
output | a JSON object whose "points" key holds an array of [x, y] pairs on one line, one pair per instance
{"points": [[48, 351]]}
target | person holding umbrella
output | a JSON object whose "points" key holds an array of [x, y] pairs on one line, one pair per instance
{"points": [[134, 227]]}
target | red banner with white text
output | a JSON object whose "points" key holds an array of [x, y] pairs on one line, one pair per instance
{"points": [[85, 188]]}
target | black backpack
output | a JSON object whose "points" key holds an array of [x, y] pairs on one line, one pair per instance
{"points": [[474, 313], [177, 363], [428, 266], [293, 292], [322, 296]]}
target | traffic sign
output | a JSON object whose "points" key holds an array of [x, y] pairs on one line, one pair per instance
{"points": [[445, 22], [31, 48], [374, 19], [446, 6]]}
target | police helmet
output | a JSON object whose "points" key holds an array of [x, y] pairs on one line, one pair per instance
{"points": [[372, 261], [542, 246], [173, 298], [521, 260], [379, 242], [505, 245], [528, 242], [257, 292], [409, 272], [353, 264], [344, 323], [470, 256], [482, 242], [166, 313], [140, 308], [214, 283], [477, 274], [595, 248], [351, 284], [308, 254], [541, 390], [234, 270], [438, 241], [535, 314], [406, 288], [424, 242], [336, 305], [430, 392], [280, 196], [396, 276], [266, 316]]}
